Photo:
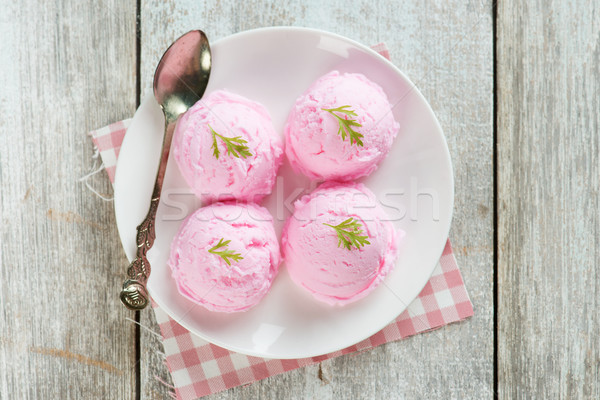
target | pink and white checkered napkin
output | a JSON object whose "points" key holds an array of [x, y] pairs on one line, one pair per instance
{"points": [[199, 368]]}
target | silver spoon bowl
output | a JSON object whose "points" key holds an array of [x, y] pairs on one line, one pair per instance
{"points": [[180, 80]]}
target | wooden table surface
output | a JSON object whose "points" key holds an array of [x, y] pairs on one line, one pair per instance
{"points": [[516, 88]]}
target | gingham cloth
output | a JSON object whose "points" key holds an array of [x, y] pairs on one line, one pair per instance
{"points": [[199, 368]]}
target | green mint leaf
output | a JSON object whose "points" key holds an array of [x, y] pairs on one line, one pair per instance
{"points": [[350, 234], [235, 146], [225, 253], [215, 147], [345, 125]]}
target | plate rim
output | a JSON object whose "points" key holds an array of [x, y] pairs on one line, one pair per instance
{"points": [[448, 161]]}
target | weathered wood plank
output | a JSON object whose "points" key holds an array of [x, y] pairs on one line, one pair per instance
{"points": [[67, 67], [447, 49], [548, 182]]}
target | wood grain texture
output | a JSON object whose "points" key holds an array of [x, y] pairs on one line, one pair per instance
{"points": [[549, 178], [66, 67], [447, 50]]}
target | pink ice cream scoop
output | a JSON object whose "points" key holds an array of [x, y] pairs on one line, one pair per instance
{"points": [[227, 148], [319, 145], [320, 260], [225, 256]]}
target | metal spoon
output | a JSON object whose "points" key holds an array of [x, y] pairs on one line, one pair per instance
{"points": [[180, 80]]}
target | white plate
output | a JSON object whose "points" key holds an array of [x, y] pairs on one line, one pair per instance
{"points": [[414, 183]]}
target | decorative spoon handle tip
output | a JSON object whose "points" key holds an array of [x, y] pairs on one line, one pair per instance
{"points": [[134, 295]]}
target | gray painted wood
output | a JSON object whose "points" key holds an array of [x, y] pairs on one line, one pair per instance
{"points": [[548, 206], [66, 67], [447, 49]]}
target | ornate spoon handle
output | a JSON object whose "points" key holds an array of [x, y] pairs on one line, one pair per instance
{"points": [[134, 294]]}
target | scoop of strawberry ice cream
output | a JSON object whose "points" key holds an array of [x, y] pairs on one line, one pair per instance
{"points": [[208, 142], [225, 256], [314, 256], [314, 138]]}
